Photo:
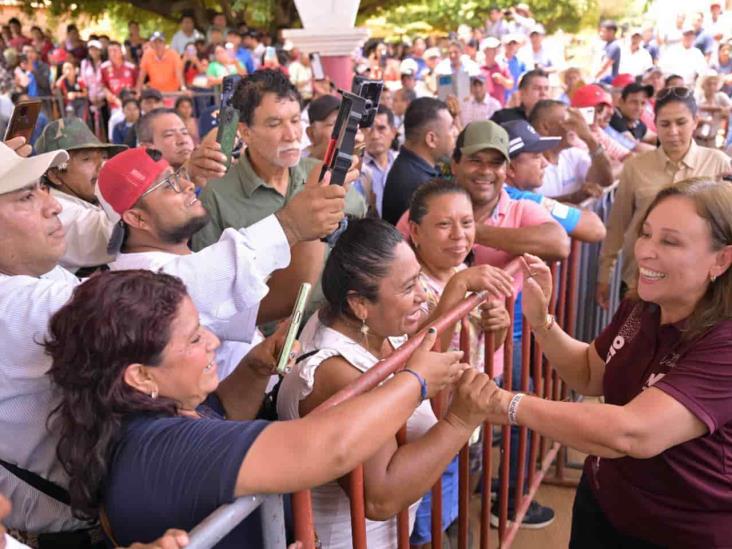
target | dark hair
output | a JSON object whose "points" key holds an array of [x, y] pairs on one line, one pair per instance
{"points": [[420, 113], [130, 99], [609, 24], [359, 259], [71, 27], [186, 15], [252, 89], [113, 43], [713, 203], [541, 108], [669, 78], [144, 125], [677, 94], [14, 20], [418, 206], [183, 99], [528, 76], [114, 319], [383, 109]]}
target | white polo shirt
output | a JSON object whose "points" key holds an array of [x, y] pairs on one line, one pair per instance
{"points": [[567, 175]]}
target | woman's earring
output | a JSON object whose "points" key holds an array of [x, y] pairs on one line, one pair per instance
{"points": [[154, 393], [712, 277], [364, 329]]}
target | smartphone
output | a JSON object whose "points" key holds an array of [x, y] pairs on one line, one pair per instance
{"points": [[588, 113], [226, 134], [270, 54], [317, 66], [295, 321], [23, 120], [228, 87]]}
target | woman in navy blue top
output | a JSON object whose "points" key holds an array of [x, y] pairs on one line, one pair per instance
{"points": [[149, 436]]}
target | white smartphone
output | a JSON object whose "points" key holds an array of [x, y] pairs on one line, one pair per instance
{"points": [[295, 321], [588, 113]]}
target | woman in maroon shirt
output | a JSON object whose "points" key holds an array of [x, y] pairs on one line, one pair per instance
{"points": [[660, 466]]}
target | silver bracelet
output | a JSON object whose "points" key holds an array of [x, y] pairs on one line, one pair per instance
{"points": [[513, 408]]}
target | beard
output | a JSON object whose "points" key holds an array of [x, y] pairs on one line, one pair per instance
{"points": [[184, 232]]}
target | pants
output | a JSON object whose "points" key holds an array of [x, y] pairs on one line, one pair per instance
{"points": [[591, 529]]}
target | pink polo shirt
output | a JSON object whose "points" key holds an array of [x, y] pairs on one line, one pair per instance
{"points": [[510, 214]]}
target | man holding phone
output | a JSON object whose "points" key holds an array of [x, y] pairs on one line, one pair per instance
{"points": [[269, 174]]}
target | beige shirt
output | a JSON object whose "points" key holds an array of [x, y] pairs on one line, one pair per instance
{"points": [[641, 179]]}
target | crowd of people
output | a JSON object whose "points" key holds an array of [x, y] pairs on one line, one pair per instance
{"points": [[145, 282]]}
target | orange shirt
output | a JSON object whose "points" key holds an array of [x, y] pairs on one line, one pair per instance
{"points": [[162, 73]]}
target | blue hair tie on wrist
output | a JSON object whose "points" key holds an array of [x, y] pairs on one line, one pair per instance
{"points": [[422, 383]]}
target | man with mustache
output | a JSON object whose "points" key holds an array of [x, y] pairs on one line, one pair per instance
{"points": [[269, 173]]}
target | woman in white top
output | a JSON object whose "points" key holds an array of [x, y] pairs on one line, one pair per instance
{"points": [[370, 283]]}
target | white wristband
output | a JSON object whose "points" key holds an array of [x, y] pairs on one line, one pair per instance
{"points": [[513, 408]]}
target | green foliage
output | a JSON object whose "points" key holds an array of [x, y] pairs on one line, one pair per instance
{"points": [[446, 15]]}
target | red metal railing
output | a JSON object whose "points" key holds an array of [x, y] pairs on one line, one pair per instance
{"points": [[546, 384]]}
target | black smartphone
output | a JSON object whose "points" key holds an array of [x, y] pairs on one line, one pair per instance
{"points": [[317, 66], [23, 120], [226, 134], [228, 87]]}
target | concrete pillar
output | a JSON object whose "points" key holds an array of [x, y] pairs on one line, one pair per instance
{"points": [[329, 30]]}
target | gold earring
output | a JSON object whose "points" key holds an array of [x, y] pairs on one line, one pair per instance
{"points": [[364, 329]]}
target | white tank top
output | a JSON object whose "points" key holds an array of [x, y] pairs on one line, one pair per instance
{"points": [[331, 509]]}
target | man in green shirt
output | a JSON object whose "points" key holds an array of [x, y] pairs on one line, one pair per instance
{"points": [[269, 173]]}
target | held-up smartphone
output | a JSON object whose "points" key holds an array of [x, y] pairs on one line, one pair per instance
{"points": [[317, 66], [295, 321], [228, 87], [23, 120], [270, 54], [588, 113], [226, 134], [228, 117]]}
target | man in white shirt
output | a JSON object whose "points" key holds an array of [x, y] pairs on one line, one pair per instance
{"points": [[480, 105], [684, 59], [187, 34], [573, 173], [228, 282], [634, 58], [158, 215]]}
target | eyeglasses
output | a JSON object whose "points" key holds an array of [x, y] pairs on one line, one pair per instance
{"points": [[681, 92], [174, 181]]}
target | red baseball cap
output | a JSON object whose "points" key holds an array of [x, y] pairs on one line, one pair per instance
{"points": [[591, 95], [622, 80], [126, 176]]}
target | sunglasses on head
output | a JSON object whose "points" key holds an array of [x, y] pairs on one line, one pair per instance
{"points": [[680, 92]]}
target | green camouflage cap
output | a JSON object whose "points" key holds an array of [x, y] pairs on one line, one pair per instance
{"points": [[484, 134], [69, 134]]}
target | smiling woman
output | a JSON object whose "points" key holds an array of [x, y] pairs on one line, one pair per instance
{"points": [[658, 473], [141, 425], [374, 299]]}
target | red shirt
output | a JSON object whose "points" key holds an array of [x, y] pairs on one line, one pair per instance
{"points": [[118, 78], [683, 496], [496, 90]]}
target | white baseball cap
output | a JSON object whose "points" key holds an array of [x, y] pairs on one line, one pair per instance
{"points": [[17, 172], [409, 67]]}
